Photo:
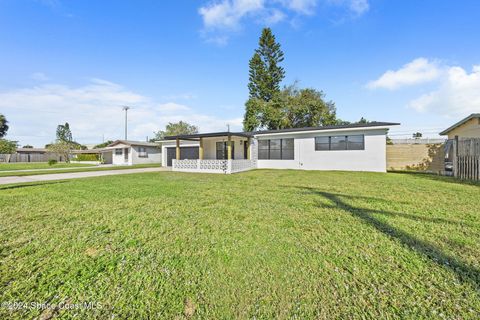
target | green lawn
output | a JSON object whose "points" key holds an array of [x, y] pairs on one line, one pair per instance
{"points": [[74, 169], [261, 244], [38, 165]]}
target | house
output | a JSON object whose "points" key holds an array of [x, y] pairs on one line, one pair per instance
{"points": [[31, 151], [127, 152], [468, 127], [354, 147]]}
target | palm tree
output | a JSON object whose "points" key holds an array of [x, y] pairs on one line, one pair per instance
{"points": [[3, 125]]}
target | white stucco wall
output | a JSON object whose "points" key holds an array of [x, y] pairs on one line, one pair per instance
{"points": [[373, 158], [119, 159], [210, 147], [153, 155]]}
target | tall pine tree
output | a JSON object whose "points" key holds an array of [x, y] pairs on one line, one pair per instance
{"points": [[265, 76]]}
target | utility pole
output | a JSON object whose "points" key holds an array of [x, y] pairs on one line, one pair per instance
{"points": [[228, 127], [126, 108]]}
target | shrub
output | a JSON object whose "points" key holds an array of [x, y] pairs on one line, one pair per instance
{"points": [[87, 157], [52, 162]]}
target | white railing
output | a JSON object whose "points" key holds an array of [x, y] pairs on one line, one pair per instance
{"points": [[213, 166]]}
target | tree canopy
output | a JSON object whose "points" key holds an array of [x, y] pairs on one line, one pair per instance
{"points": [[103, 144], [265, 77], [64, 133], [3, 126], [174, 129], [7, 146], [293, 107]]}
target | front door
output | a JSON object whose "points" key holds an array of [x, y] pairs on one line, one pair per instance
{"points": [[222, 150], [125, 154]]}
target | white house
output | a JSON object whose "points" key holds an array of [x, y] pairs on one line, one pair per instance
{"points": [[353, 147], [127, 152]]}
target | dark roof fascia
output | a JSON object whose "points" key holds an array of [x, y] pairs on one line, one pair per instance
{"points": [[196, 136], [260, 132], [346, 126]]}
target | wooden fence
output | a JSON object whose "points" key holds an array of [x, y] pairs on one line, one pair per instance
{"points": [[466, 158]]}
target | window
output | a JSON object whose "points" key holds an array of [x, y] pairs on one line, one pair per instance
{"points": [[355, 142], [322, 143], [142, 152], [287, 149], [276, 149], [118, 152], [263, 149], [338, 143], [222, 150]]}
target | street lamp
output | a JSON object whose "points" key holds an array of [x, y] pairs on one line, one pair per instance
{"points": [[126, 108]]}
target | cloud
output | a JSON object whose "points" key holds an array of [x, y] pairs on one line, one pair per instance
{"points": [[418, 71], [357, 7], [227, 14], [456, 92], [39, 76], [94, 111], [222, 17], [457, 95], [300, 6]]}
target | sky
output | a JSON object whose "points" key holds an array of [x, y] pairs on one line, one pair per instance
{"points": [[79, 61]]}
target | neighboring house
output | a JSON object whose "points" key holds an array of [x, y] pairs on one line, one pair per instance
{"points": [[31, 151], [126, 152], [354, 147], [468, 127]]}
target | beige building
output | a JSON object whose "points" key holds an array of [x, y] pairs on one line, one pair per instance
{"points": [[465, 128]]}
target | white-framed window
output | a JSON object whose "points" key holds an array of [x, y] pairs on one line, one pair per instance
{"points": [[142, 152], [118, 151]]}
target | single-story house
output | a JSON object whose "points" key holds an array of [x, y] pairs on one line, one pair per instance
{"points": [[355, 147], [31, 151], [127, 152], [468, 127]]}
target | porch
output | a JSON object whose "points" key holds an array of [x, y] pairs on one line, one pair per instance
{"points": [[220, 152]]}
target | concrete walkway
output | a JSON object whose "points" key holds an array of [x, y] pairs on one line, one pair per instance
{"points": [[75, 175], [56, 169]]}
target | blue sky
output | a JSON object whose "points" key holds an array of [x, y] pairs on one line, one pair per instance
{"points": [[414, 62]]}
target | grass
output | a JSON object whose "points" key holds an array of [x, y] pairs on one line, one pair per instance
{"points": [[38, 165], [261, 244], [83, 169]]}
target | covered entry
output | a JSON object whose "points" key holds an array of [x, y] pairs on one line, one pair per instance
{"points": [[185, 153]]}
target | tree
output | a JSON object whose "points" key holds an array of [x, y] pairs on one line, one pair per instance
{"points": [[417, 135], [7, 146], [265, 76], [64, 144], [293, 108], [3, 126], [27, 146], [307, 107], [64, 133], [103, 145], [174, 129], [61, 148]]}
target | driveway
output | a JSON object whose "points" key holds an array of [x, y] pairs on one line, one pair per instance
{"points": [[75, 175]]}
